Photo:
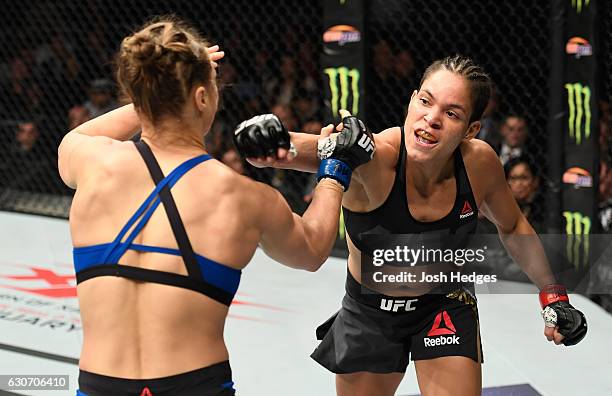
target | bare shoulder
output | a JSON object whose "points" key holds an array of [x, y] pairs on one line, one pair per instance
{"points": [[371, 182], [482, 164], [387, 150], [479, 155], [388, 142], [248, 193]]}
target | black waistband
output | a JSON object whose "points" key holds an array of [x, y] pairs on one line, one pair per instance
{"points": [[372, 298], [215, 376]]}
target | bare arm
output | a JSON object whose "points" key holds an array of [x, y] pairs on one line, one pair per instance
{"points": [[308, 161], [90, 139], [517, 235], [301, 242]]}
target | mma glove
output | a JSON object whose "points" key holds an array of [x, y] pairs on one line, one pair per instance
{"points": [[557, 311], [341, 154], [261, 136]]}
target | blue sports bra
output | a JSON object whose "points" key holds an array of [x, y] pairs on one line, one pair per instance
{"points": [[206, 276]]}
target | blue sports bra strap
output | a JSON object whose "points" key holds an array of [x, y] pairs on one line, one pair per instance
{"points": [[123, 246], [174, 217], [169, 180]]}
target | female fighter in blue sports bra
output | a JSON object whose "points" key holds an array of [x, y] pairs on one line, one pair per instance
{"points": [[161, 231]]}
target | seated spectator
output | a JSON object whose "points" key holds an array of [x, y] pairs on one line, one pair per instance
{"points": [[232, 159], [26, 165], [100, 101], [489, 122], [514, 133], [524, 182], [605, 197]]}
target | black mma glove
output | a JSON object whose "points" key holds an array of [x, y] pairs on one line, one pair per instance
{"points": [[342, 153], [557, 311], [261, 136]]}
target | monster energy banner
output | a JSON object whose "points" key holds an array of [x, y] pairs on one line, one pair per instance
{"points": [[343, 57], [580, 131], [343, 69]]}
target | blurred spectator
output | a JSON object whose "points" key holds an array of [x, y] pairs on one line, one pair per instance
{"points": [[514, 133], [305, 106], [290, 183], [312, 126], [58, 67], [605, 197], [96, 54], [232, 159], [489, 122], [283, 89], [393, 75], [307, 59], [100, 101], [405, 79], [21, 95], [382, 98], [286, 115], [26, 165], [605, 170], [524, 182]]}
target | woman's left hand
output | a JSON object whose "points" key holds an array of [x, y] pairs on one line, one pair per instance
{"points": [[215, 55]]}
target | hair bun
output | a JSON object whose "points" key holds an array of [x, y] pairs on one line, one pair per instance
{"points": [[145, 50]]}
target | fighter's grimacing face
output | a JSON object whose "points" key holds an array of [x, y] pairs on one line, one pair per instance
{"points": [[438, 116]]}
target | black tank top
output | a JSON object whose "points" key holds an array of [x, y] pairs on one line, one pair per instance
{"points": [[393, 216]]}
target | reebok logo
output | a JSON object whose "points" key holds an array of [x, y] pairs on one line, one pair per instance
{"points": [[466, 211], [395, 305], [429, 342], [448, 329]]}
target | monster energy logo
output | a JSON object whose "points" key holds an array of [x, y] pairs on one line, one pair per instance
{"points": [[578, 229], [577, 4], [341, 230], [579, 104], [340, 95]]}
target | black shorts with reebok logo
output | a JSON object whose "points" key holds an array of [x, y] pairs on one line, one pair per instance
{"points": [[379, 334]]}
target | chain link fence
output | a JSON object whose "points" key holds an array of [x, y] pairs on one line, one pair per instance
{"points": [[603, 277], [509, 39], [56, 72]]}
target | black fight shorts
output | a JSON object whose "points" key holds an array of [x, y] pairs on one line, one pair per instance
{"points": [[215, 380], [379, 334]]}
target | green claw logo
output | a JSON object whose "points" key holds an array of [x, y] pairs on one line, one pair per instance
{"points": [[578, 229], [341, 229], [577, 4], [579, 111], [339, 87]]}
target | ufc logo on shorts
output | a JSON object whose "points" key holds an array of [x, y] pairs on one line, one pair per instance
{"points": [[366, 143], [395, 305]]}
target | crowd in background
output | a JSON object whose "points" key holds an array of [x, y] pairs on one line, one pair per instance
{"points": [[48, 90]]}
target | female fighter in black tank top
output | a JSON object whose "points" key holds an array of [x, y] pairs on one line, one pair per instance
{"points": [[393, 216]]}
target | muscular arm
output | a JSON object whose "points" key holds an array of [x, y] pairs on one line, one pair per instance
{"points": [[517, 235], [82, 144], [301, 242], [366, 178]]}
